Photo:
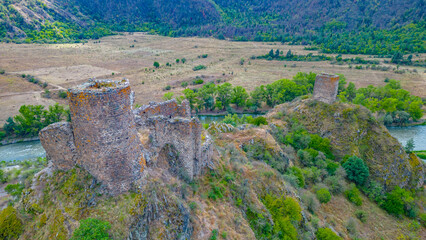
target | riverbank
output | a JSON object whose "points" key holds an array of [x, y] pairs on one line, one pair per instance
{"points": [[18, 140]]}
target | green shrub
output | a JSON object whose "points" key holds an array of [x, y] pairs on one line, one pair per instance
{"points": [[323, 195], [397, 201], [310, 201], [193, 206], [352, 226], [354, 195], [299, 174], [10, 224], [199, 67], [14, 190], [184, 84], [156, 64], [92, 228], [3, 176], [326, 234], [198, 81], [356, 170], [423, 219], [62, 94], [215, 232], [168, 87], [284, 211], [361, 215], [260, 121], [335, 184]]}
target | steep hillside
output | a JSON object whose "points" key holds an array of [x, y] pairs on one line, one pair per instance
{"points": [[256, 187], [45, 21], [367, 27]]}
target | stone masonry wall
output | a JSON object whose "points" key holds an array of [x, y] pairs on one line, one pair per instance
{"points": [[325, 89], [183, 134], [58, 141], [169, 109], [105, 134]]}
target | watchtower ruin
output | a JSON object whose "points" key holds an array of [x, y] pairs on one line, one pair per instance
{"points": [[326, 87], [102, 136]]}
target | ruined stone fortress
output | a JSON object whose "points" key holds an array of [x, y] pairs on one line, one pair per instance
{"points": [[106, 135]]}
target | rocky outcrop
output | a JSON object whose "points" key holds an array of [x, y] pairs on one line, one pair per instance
{"points": [[353, 130], [103, 135]]}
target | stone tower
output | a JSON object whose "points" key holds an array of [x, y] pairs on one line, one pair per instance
{"points": [[102, 137], [326, 86], [105, 134]]}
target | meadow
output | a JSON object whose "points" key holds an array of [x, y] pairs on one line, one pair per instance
{"points": [[133, 55]]}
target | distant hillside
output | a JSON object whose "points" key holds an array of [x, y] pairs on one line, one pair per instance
{"points": [[369, 27], [45, 21]]}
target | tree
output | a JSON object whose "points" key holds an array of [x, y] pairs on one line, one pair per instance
{"points": [[156, 64], [397, 57], [9, 126], [271, 53], [30, 120], [351, 91], [55, 114], [356, 170], [191, 96], [224, 94], [183, 60], [289, 54], [277, 53], [409, 147], [415, 110], [177, 60], [92, 228], [239, 96]]}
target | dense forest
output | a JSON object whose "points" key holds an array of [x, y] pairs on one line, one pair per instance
{"points": [[366, 27]]}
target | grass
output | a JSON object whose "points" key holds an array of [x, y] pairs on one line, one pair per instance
{"points": [[421, 154]]}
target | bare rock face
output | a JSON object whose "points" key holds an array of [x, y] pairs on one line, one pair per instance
{"points": [[103, 135], [326, 86], [58, 141]]}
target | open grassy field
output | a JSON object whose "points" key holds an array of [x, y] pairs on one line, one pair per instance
{"points": [[132, 56]]}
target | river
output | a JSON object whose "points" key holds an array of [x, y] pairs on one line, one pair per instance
{"points": [[33, 149], [417, 133], [21, 151]]}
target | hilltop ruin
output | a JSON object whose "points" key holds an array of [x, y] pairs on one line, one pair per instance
{"points": [[326, 87], [105, 135]]}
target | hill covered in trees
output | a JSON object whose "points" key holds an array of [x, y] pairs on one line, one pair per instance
{"points": [[368, 27]]}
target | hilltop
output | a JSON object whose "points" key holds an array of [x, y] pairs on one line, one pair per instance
{"points": [[261, 183]]}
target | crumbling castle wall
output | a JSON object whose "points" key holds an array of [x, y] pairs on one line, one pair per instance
{"points": [[326, 87], [171, 124], [169, 109], [58, 141], [103, 135]]}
